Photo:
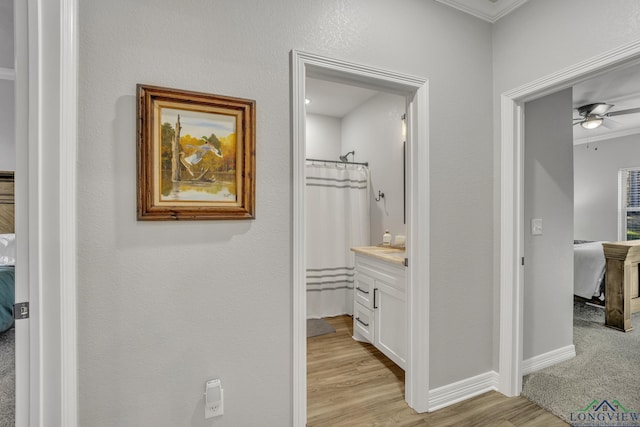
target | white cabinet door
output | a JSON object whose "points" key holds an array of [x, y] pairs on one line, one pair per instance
{"points": [[380, 307], [390, 321]]}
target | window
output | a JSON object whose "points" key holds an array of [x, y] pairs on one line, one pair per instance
{"points": [[629, 196]]}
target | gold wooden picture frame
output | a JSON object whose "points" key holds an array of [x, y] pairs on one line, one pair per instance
{"points": [[196, 155]]}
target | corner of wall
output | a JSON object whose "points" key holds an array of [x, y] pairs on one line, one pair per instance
{"points": [[462, 390]]}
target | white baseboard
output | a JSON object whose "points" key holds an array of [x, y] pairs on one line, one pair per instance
{"points": [[470, 387], [548, 359], [462, 390]]}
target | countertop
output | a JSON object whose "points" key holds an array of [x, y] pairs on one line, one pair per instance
{"points": [[385, 253]]}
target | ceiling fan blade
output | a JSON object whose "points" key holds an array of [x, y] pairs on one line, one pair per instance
{"points": [[621, 112], [601, 109], [597, 108], [610, 124], [577, 123]]}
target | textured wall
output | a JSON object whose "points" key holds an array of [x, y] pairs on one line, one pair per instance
{"points": [[164, 306]]}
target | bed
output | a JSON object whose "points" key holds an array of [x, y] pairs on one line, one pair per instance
{"points": [[606, 273], [589, 266], [7, 250]]}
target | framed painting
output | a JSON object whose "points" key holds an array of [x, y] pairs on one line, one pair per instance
{"points": [[196, 155]]}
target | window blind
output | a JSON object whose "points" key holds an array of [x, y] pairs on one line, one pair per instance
{"points": [[630, 198]]}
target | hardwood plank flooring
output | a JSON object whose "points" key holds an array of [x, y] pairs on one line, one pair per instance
{"points": [[353, 384]]}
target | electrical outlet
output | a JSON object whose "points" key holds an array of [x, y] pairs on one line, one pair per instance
{"points": [[215, 410], [213, 399]]}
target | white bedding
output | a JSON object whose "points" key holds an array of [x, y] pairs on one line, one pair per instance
{"points": [[8, 249], [588, 269]]}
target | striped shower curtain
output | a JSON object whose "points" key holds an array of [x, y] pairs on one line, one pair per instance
{"points": [[337, 209]]}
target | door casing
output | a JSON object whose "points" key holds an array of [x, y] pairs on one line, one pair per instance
{"points": [[415, 90], [511, 199], [46, 49]]}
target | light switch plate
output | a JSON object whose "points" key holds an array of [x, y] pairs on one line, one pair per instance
{"points": [[536, 227]]}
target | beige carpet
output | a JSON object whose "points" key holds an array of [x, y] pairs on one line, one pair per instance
{"points": [[7, 378], [606, 368]]}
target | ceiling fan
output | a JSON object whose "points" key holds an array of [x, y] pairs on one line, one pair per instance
{"points": [[596, 114]]}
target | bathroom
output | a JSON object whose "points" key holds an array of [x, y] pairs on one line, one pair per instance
{"points": [[360, 126]]}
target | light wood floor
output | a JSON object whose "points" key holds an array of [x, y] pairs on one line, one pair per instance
{"points": [[353, 384]]}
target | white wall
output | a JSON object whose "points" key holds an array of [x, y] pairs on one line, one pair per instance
{"points": [[596, 167], [323, 137], [6, 34], [163, 306], [7, 109], [7, 126], [548, 195], [374, 131], [538, 39]]}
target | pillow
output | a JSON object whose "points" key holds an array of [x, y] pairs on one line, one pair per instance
{"points": [[8, 249]]}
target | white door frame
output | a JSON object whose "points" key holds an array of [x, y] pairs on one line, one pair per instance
{"points": [[511, 199], [46, 143], [416, 90]]}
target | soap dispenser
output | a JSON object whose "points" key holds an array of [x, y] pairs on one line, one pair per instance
{"points": [[386, 238]]}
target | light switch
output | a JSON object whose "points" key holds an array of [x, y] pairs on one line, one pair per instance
{"points": [[536, 227]]}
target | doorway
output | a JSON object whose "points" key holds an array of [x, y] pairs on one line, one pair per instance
{"points": [[415, 90], [511, 200]]}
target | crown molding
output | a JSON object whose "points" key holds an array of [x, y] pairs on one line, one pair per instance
{"points": [[487, 10], [607, 136]]}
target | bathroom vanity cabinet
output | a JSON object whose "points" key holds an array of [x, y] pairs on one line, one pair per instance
{"points": [[379, 314]]}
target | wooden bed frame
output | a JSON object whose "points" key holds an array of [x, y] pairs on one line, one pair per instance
{"points": [[622, 288], [7, 203]]}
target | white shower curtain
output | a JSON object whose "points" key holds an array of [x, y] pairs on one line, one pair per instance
{"points": [[337, 208]]}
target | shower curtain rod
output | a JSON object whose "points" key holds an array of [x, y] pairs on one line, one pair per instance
{"points": [[339, 162]]}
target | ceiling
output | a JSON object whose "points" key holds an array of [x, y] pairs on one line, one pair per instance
{"points": [[619, 87], [488, 10], [334, 99]]}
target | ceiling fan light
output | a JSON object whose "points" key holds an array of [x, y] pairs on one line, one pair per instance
{"points": [[591, 123]]}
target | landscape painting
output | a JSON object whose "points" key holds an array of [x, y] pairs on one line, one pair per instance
{"points": [[196, 155]]}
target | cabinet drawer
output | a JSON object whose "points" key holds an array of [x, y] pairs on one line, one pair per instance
{"points": [[363, 290], [363, 322]]}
